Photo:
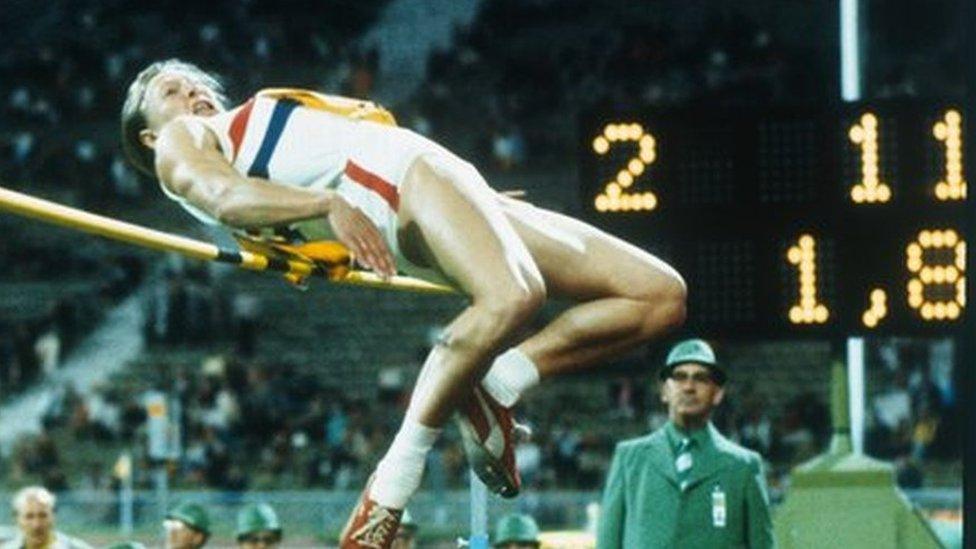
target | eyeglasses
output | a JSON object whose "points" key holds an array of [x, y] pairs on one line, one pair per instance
{"points": [[697, 377]]}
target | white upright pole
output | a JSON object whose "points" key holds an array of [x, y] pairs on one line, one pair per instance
{"points": [[855, 388], [850, 50], [850, 90], [479, 514]]}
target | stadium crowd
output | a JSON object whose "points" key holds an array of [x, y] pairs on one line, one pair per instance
{"points": [[287, 428]]}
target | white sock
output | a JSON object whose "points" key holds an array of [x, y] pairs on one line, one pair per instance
{"points": [[399, 473], [512, 373]]}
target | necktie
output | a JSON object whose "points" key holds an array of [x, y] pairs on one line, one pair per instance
{"points": [[683, 463]]}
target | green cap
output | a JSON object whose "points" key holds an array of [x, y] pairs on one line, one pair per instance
{"points": [[516, 528], [127, 545], [192, 515], [693, 351], [257, 517]]}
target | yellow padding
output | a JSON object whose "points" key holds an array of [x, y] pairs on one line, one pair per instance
{"points": [[358, 109]]}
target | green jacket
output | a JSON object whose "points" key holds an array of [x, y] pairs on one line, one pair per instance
{"points": [[725, 505]]}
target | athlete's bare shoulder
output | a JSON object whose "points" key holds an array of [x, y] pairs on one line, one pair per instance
{"points": [[185, 150], [188, 131]]}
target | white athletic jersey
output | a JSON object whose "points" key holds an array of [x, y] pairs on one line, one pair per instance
{"points": [[290, 144]]}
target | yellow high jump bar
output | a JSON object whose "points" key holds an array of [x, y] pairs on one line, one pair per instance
{"points": [[295, 266]]}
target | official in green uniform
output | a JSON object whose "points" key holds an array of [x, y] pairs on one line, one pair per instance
{"points": [[685, 486], [516, 531], [258, 527], [187, 527]]}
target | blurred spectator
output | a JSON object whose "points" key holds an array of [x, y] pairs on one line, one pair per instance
{"points": [[508, 147], [104, 414], [756, 428], [892, 411], [47, 348], [34, 510], [245, 312], [908, 474], [924, 432], [802, 429]]}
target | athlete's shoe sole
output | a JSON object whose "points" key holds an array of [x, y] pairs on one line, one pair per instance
{"points": [[488, 435]]}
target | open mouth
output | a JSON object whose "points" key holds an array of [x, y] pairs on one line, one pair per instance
{"points": [[203, 107]]}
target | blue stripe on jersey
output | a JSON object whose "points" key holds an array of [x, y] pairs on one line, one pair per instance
{"points": [[282, 110]]}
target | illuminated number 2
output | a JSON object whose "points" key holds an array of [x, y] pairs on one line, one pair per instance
{"points": [[808, 310], [949, 131], [870, 188], [615, 196], [945, 278]]}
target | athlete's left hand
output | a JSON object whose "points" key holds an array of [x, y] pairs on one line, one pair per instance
{"points": [[360, 235]]}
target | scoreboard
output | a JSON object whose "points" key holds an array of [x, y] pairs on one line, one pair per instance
{"points": [[819, 221]]}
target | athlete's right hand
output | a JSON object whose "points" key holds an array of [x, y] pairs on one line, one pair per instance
{"points": [[360, 235]]}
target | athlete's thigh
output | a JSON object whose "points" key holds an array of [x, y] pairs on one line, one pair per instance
{"points": [[461, 228], [579, 261]]}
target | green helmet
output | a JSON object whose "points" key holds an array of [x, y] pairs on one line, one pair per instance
{"points": [[127, 545], [257, 517], [697, 351], [192, 515], [516, 528]]}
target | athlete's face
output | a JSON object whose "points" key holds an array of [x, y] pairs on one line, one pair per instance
{"points": [[176, 93]]}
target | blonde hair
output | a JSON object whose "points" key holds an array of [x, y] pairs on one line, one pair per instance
{"points": [[36, 493], [133, 110]]}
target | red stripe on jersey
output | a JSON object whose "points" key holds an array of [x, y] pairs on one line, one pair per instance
{"points": [[238, 125], [374, 183]]}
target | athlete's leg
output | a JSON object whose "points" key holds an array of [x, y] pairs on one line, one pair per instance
{"points": [[464, 233], [468, 237], [625, 296]]}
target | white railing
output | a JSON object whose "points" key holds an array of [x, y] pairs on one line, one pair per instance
{"points": [[312, 512]]}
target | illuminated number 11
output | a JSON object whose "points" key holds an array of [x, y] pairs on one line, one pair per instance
{"points": [[808, 310]]}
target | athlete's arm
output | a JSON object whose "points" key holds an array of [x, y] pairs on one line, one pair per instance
{"points": [[189, 163]]}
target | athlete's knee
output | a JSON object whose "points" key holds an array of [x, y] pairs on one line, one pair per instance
{"points": [[665, 298], [495, 317], [513, 304]]}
